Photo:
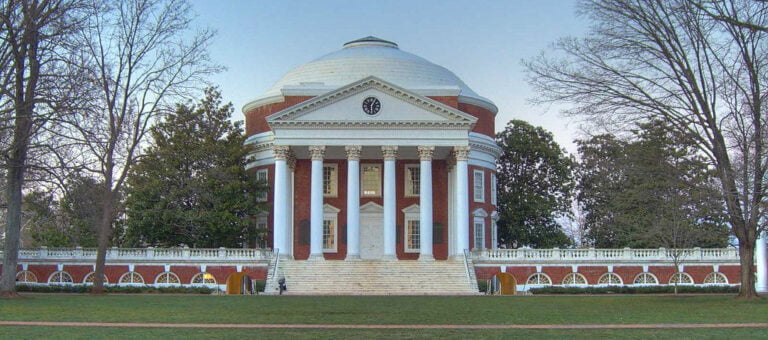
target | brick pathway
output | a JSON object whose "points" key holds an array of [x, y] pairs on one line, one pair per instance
{"points": [[311, 326]]}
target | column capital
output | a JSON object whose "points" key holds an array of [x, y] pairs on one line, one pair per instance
{"points": [[317, 152], [291, 161], [426, 152], [390, 152], [281, 152], [451, 161], [461, 153], [353, 152]]}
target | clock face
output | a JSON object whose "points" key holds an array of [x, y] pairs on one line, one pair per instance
{"points": [[371, 106]]}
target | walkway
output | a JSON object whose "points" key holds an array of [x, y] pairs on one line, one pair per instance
{"points": [[320, 326]]}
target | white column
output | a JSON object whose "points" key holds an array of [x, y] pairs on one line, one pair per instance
{"points": [[316, 204], [451, 207], [761, 257], [425, 203], [280, 153], [462, 198], [353, 202], [390, 202], [288, 235]]}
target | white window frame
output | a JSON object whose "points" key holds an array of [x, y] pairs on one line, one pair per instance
{"points": [[334, 180], [493, 188], [494, 230], [362, 180], [331, 213], [409, 187], [411, 213], [263, 175], [478, 195], [478, 222]]}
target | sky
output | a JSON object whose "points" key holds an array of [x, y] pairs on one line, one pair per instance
{"points": [[482, 42]]}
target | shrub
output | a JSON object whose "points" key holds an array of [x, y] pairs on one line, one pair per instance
{"points": [[482, 286], [660, 289], [114, 289]]}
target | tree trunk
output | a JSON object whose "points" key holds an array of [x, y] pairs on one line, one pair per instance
{"points": [[747, 274], [12, 228], [16, 166], [103, 232]]}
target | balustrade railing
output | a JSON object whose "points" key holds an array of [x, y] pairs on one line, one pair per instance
{"points": [[147, 254], [605, 255]]}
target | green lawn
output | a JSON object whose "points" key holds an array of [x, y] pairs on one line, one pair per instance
{"points": [[381, 310]]}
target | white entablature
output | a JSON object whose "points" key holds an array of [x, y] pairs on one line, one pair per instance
{"points": [[337, 118]]}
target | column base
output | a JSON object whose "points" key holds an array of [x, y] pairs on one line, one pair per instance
{"points": [[426, 258], [316, 257], [285, 256], [456, 257], [353, 257], [390, 258]]}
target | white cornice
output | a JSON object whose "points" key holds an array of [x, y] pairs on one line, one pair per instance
{"points": [[486, 104], [261, 102], [309, 124]]}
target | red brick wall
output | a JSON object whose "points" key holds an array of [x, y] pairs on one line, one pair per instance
{"points": [[485, 205], [255, 119], [149, 273], [221, 273], [733, 273], [77, 272], [185, 273], [592, 273], [485, 119], [42, 271], [114, 273]]}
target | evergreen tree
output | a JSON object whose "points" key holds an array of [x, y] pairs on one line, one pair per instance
{"points": [[535, 185], [192, 188], [653, 191]]}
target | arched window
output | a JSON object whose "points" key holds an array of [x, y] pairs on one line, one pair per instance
{"points": [[89, 278], [167, 278], [645, 279], [574, 279], [681, 279], [716, 278], [26, 276], [203, 279], [60, 277], [610, 279], [539, 279], [131, 278]]}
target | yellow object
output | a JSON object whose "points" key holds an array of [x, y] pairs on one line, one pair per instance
{"points": [[507, 283], [235, 284]]}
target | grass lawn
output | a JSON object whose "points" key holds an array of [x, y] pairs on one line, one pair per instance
{"points": [[381, 310]]}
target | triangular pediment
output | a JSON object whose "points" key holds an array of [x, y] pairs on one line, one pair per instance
{"points": [[397, 107]]}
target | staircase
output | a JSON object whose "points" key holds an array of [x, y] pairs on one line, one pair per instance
{"points": [[369, 277]]}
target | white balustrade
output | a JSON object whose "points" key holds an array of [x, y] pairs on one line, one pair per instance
{"points": [[605, 256]]}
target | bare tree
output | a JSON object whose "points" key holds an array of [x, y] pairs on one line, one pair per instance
{"points": [[33, 87], [141, 58], [672, 60]]}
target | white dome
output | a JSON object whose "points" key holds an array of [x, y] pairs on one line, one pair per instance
{"points": [[371, 56]]}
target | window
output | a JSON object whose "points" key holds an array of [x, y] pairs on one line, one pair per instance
{"points": [[131, 278], [60, 277], [574, 279], [479, 233], [493, 189], [479, 186], [539, 279], [610, 279], [412, 229], [716, 278], [494, 231], [262, 175], [413, 241], [412, 180], [370, 178], [645, 279], [89, 278], [167, 278], [330, 180], [203, 279], [330, 228], [681, 279], [26, 276]]}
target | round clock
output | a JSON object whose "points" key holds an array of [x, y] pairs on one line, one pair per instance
{"points": [[371, 106]]}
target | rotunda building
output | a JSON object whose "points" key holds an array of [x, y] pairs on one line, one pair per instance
{"points": [[374, 153]]}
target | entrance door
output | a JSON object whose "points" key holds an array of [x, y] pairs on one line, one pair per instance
{"points": [[371, 236]]}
